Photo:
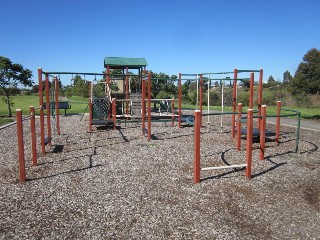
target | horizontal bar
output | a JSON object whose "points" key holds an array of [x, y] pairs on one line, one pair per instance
{"points": [[171, 79], [244, 71], [283, 115], [90, 73], [219, 113], [190, 74], [216, 73], [223, 167]]}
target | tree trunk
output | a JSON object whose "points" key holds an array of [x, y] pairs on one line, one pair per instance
{"points": [[8, 104]]}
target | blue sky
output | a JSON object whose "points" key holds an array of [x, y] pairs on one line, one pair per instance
{"points": [[173, 35]]}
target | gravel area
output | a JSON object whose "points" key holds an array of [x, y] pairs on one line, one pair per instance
{"points": [[113, 184]]}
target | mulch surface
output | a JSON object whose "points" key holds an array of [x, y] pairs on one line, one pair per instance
{"points": [[115, 184]]}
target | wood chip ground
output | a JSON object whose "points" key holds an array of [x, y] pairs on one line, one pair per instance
{"points": [[114, 184]]}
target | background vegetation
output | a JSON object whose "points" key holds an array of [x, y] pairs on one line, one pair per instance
{"points": [[300, 92]]}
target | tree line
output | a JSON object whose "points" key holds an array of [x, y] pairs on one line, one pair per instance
{"points": [[299, 89]]}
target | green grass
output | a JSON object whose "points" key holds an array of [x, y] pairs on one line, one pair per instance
{"points": [[4, 120], [24, 102], [307, 113]]}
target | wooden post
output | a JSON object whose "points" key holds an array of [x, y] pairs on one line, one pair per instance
{"points": [[90, 107], [149, 106], [40, 87], [180, 104], [201, 98], [249, 143], [260, 95], [172, 112], [48, 108], [143, 105], [42, 137], [263, 131], [234, 102], [239, 127], [22, 170], [127, 91], [251, 90], [278, 121], [56, 91], [114, 113], [197, 126], [108, 87], [33, 136]]}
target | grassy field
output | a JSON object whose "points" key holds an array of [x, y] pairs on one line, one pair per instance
{"points": [[80, 105]]}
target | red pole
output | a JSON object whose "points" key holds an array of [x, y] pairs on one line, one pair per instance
{"points": [[114, 113], [263, 131], [180, 96], [56, 91], [43, 146], [90, 107], [48, 108], [40, 87], [249, 143], [251, 90], [108, 83], [197, 126], [33, 136], [149, 106], [234, 102], [172, 112], [43, 149], [200, 101], [143, 104], [127, 91], [278, 121], [239, 126], [260, 95], [22, 170]]}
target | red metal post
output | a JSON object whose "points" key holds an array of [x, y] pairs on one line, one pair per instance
{"points": [[278, 121], [40, 90], [234, 102], [40, 87], [251, 90], [201, 98], [33, 136], [90, 107], [22, 170], [48, 107], [249, 143], [127, 91], [149, 106], [172, 112], [180, 100], [56, 91], [197, 126], [260, 95], [43, 146], [263, 131], [114, 113], [108, 83], [239, 127], [143, 105]]}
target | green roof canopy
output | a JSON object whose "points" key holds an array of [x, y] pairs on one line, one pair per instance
{"points": [[123, 62]]}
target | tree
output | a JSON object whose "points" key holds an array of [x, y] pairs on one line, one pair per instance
{"points": [[287, 78], [271, 82], [80, 87], [12, 74], [307, 77]]}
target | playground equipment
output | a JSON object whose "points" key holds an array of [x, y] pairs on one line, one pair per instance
{"points": [[19, 121], [54, 101]]}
